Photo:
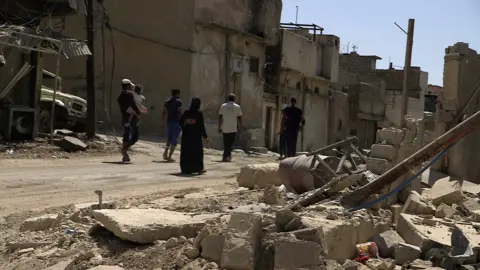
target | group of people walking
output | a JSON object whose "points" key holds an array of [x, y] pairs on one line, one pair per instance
{"points": [[189, 122]]}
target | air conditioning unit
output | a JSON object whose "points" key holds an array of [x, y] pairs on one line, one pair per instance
{"points": [[18, 123], [237, 65]]}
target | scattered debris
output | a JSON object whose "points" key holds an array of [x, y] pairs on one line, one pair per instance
{"points": [[261, 175]]}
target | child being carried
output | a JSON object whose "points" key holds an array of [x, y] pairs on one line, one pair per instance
{"points": [[140, 101]]}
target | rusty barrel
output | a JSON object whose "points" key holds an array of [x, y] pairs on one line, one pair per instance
{"points": [[297, 172]]}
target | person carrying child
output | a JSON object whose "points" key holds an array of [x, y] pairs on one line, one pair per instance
{"points": [[139, 101]]}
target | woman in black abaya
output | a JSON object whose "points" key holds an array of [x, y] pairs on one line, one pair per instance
{"points": [[193, 131]]}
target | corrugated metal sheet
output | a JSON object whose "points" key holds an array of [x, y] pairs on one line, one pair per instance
{"points": [[73, 48], [70, 47]]}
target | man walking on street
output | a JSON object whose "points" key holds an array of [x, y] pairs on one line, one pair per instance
{"points": [[172, 110], [125, 101], [291, 120], [229, 122]]}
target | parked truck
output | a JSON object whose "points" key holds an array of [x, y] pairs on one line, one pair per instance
{"points": [[70, 110]]}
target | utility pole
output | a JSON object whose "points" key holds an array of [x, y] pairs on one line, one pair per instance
{"points": [[406, 70], [91, 108], [296, 15]]}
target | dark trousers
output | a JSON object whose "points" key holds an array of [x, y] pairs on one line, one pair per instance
{"points": [[291, 142], [228, 140], [282, 148], [130, 133]]}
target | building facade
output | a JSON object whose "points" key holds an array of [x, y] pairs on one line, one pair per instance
{"points": [[376, 94], [205, 48], [303, 65]]}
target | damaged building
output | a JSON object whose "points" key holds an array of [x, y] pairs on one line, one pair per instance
{"points": [[304, 64], [459, 99], [376, 94], [25, 40], [204, 48]]}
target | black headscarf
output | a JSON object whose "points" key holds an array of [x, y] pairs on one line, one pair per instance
{"points": [[195, 104]]}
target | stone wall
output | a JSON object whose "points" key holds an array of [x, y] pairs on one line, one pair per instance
{"points": [[461, 78]]}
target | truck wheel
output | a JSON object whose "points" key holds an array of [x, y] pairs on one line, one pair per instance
{"points": [[44, 121]]}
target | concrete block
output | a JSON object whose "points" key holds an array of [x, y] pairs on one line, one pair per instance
{"points": [[415, 232], [406, 253], [296, 254], [39, 223], [471, 205], [384, 151], [416, 204], [353, 265], [378, 166], [381, 264], [386, 242], [242, 240], [312, 235], [342, 234], [445, 211], [446, 191], [396, 210], [261, 175], [392, 136]]}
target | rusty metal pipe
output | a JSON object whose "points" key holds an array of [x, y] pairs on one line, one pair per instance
{"points": [[452, 136]]}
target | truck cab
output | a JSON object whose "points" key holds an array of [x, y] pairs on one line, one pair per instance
{"points": [[70, 110]]}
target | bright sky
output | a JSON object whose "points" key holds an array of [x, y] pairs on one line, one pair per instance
{"points": [[370, 26]]}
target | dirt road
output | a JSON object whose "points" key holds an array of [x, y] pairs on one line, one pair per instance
{"points": [[38, 184]]}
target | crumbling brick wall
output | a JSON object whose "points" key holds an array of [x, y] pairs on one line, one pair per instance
{"points": [[461, 77]]}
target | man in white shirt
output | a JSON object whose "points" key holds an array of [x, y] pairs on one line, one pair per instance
{"points": [[229, 122]]}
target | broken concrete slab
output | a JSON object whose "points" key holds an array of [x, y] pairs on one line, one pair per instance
{"points": [[391, 136], [415, 232], [384, 151], [260, 175], [445, 211], [210, 242], [242, 240], [297, 254], [145, 226], [386, 242], [471, 205], [378, 166], [71, 144], [416, 204], [39, 223], [446, 191], [406, 253], [342, 234]]}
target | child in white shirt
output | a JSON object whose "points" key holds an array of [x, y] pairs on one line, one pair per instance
{"points": [[140, 101]]}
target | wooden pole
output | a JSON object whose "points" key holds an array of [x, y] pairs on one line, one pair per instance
{"points": [[54, 98], [406, 71], [91, 91], [441, 143]]}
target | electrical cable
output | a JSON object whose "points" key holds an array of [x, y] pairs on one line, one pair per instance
{"points": [[403, 184]]}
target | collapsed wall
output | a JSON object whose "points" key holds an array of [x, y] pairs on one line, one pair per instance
{"points": [[393, 146], [461, 78]]}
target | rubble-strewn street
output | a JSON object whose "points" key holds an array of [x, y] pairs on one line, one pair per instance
{"points": [[211, 222]]}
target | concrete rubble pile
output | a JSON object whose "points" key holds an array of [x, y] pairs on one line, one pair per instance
{"points": [[435, 227]]}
